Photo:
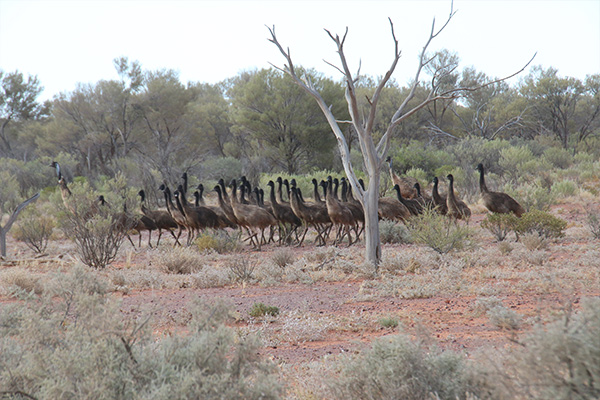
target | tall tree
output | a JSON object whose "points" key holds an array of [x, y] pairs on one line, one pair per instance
{"points": [[280, 119], [373, 155], [564, 107], [18, 102]]}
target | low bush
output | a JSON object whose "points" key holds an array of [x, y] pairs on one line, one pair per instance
{"points": [[283, 257], [440, 233], [34, 229], [544, 224], [220, 241], [75, 343], [259, 310], [182, 260], [242, 269], [593, 222], [559, 360], [500, 225], [392, 232], [395, 367]]}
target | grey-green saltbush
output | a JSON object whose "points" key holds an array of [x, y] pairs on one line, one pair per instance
{"points": [[75, 343], [395, 367]]}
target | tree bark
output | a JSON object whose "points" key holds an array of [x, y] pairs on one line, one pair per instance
{"points": [[4, 229]]}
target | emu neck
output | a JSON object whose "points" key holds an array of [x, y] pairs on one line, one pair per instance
{"points": [[482, 187]]}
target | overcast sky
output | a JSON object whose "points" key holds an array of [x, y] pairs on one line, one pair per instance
{"points": [[70, 42]]}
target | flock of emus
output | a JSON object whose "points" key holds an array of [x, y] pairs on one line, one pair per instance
{"points": [[286, 216]]}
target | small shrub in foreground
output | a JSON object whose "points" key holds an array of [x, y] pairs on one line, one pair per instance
{"points": [[395, 367], [76, 344], [559, 360], [593, 222], [439, 232], [35, 230], [544, 224], [182, 260], [392, 232], [242, 269], [259, 310], [388, 322], [500, 225], [220, 241], [283, 257]]}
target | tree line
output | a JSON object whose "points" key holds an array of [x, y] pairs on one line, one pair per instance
{"points": [[153, 125]]}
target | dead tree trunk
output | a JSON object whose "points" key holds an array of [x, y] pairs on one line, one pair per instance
{"points": [[4, 229], [373, 155]]}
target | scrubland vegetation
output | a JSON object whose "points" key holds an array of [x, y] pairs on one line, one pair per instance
{"points": [[70, 269]]}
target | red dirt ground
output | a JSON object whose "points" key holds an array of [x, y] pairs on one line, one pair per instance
{"points": [[450, 320]]}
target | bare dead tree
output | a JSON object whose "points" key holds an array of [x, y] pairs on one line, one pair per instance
{"points": [[374, 155]]}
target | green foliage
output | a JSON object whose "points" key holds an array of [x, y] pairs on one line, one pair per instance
{"points": [[220, 241], [271, 113], [500, 225], [34, 228], [392, 232], [283, 257], [535, 196], [259, 310], [227, 168], [512, 160], [416, 155], [181, 260], [9, 195], [565, 188], [395, 367], [439, 232], [98, 230], [388, 322], [242, 269], [544, 224], [593, 222], [75, 343], [559, 360], [558, 157]]}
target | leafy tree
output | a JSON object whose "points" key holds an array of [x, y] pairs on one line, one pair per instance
{"points": [[281, 121], [209, 117], [17, 104], [491, 112], [564, 107], [169, 141]]}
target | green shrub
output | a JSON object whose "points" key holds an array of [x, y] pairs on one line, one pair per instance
{"points": [[559, 360], [35, 229], [593, 221], [392, 232], [504, 318], [242, 269], [439, 232], [389, 322], [558, 157], [182, 260], [283, 257], [513, 158], [500, 225], [259, 310], [535, 197], [394, 367], [75, 343], [544, 224], [565, 188], [220, 241]]}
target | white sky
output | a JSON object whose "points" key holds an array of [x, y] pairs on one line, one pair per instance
{"points": [[70, 42]]}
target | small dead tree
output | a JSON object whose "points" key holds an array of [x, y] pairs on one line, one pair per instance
{"points": [[375, 154], [11, 220]]}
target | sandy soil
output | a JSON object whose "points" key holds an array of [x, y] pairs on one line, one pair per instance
{"points": [[450, 320]]}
